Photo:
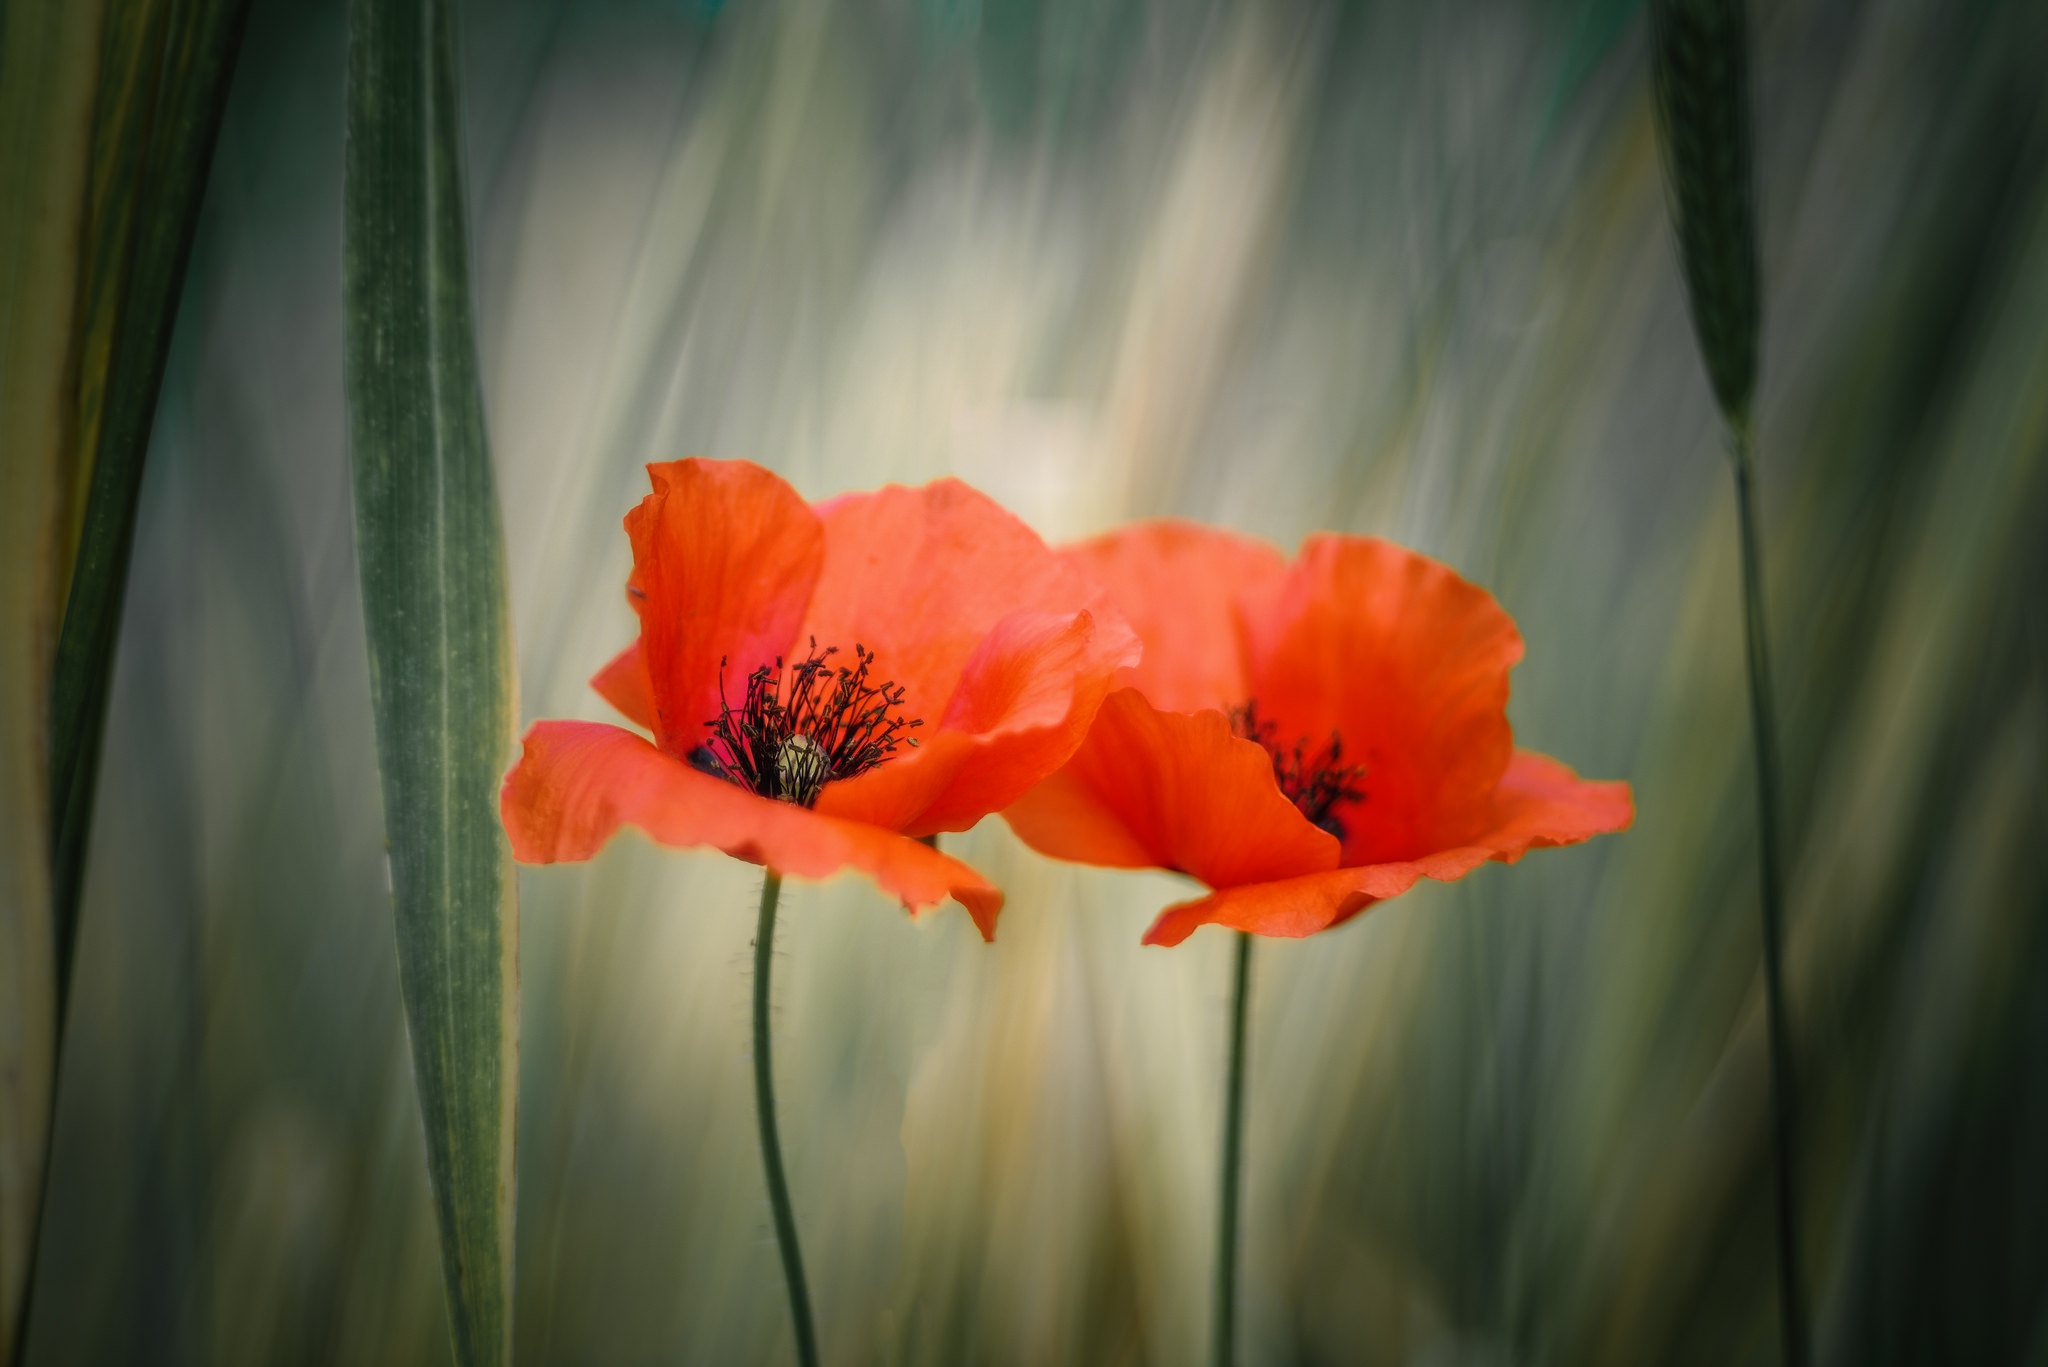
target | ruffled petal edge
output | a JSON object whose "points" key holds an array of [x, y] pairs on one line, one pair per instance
{"points": [[1539, 803], [576, 783]]}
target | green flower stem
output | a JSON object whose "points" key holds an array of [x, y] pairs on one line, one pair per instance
{"points": [[1228, 1186], [771, 1144], [1763, 724]]}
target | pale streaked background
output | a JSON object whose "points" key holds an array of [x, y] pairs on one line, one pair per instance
{"points": [[1394, 268]]}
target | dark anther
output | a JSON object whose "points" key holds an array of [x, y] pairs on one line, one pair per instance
{"points": [[1314, 781], [799, 727]]}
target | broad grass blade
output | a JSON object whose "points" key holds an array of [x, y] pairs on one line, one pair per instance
{"points": [[432, 560], [108, 123], [164, 77], [49, 61]]}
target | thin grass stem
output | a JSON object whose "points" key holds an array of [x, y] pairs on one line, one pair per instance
{"points": [[1231, 1179], [1764, 727], [771, 1143]]}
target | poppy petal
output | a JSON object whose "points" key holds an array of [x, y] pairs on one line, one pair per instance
{"points": [[895, 793], [577, 782], [1022, 707], [1178, 583], [922, 576], [1539, 803], [725, 556], [1408, 664], [1174, 790], [625, 685]]}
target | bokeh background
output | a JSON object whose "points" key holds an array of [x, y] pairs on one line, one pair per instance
{"points": [[1396, 268]]}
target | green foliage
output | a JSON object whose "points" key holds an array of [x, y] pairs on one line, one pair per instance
{"points": [[163, 84], [48, 59], [1522, 1118], [111, 119], [1701, 64], [432, 559]]}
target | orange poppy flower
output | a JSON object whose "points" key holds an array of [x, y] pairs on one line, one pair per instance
{"points": [[1306, 738], [823, 684]]}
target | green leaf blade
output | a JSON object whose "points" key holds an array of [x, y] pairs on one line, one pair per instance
{"points": [[49, 58], [432, 563], [109, 121], [164, 86]]}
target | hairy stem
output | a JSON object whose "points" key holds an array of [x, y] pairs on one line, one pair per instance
{"points": [[1763, 725], [1233, 1162], [771, 1143]]}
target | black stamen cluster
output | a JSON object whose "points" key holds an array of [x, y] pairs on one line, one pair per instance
{"points": [[798, 728], [1315, 782]]}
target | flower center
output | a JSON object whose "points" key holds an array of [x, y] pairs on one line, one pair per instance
{"points": [[1314, 781], [800, 726]]}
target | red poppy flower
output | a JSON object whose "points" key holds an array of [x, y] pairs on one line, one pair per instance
{"points": [[1305, 738], [825, 683]]}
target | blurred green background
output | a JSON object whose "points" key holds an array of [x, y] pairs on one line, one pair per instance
{"points": [[1393, 268]]}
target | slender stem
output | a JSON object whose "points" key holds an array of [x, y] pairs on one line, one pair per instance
{"points": [[1233, 1163], [771, 1144], [1763, 723]]}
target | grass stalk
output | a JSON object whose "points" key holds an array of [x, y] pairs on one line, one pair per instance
{"points": [[1700, 55], [1764, 730]]}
